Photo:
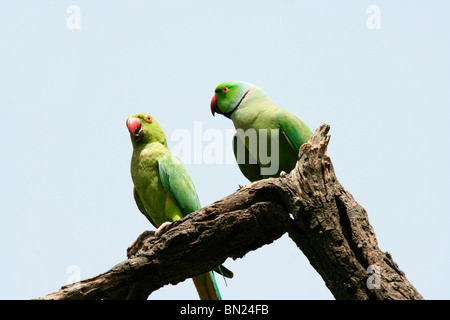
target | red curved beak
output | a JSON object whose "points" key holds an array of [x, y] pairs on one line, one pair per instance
{"points": [[133, 124], [214, 104]]}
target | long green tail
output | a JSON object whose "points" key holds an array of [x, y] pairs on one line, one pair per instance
{"points": [[207, 287]]}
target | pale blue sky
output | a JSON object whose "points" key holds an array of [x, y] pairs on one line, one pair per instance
{"points": [[65, 187]]}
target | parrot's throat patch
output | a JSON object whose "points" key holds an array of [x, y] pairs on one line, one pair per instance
{"points": [[228, 114]]}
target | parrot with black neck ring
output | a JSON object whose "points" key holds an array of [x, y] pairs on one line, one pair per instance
{"points": [[282, 132]]}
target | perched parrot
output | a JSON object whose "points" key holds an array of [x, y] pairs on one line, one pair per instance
{"points": [[163, 190], [267, 152]]}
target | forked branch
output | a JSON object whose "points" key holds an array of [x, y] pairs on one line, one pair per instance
{"points": [[322, 218]]}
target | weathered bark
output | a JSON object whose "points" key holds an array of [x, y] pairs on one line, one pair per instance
{"points": [[334, 232], [323, 219], [231, 227]]}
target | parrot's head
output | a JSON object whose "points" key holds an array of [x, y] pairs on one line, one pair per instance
{"points": [[229, 95], [144, 129]]}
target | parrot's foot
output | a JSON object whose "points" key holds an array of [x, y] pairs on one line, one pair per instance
{"points": [[139, 243], [282, 174], [162, 228], [248, 186]]}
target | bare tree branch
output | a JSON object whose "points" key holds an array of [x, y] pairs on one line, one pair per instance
{"points": [[323, 219]]}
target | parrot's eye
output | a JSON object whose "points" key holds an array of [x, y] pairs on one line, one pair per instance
{"points": [[225, 89], [148, 118]]}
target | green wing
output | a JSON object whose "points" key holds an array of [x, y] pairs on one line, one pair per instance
{"points": [[176, 180], [141, 207], [294, 129], [250, 170]]}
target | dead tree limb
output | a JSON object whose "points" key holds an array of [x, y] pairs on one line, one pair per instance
{"points": [[323, 219]]}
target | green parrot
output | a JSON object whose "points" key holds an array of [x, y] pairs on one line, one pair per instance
{"points": [[163, 190], [268, 138]]}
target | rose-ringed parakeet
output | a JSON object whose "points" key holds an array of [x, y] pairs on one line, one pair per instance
{"points": [[267, 136], [163, 190]]}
